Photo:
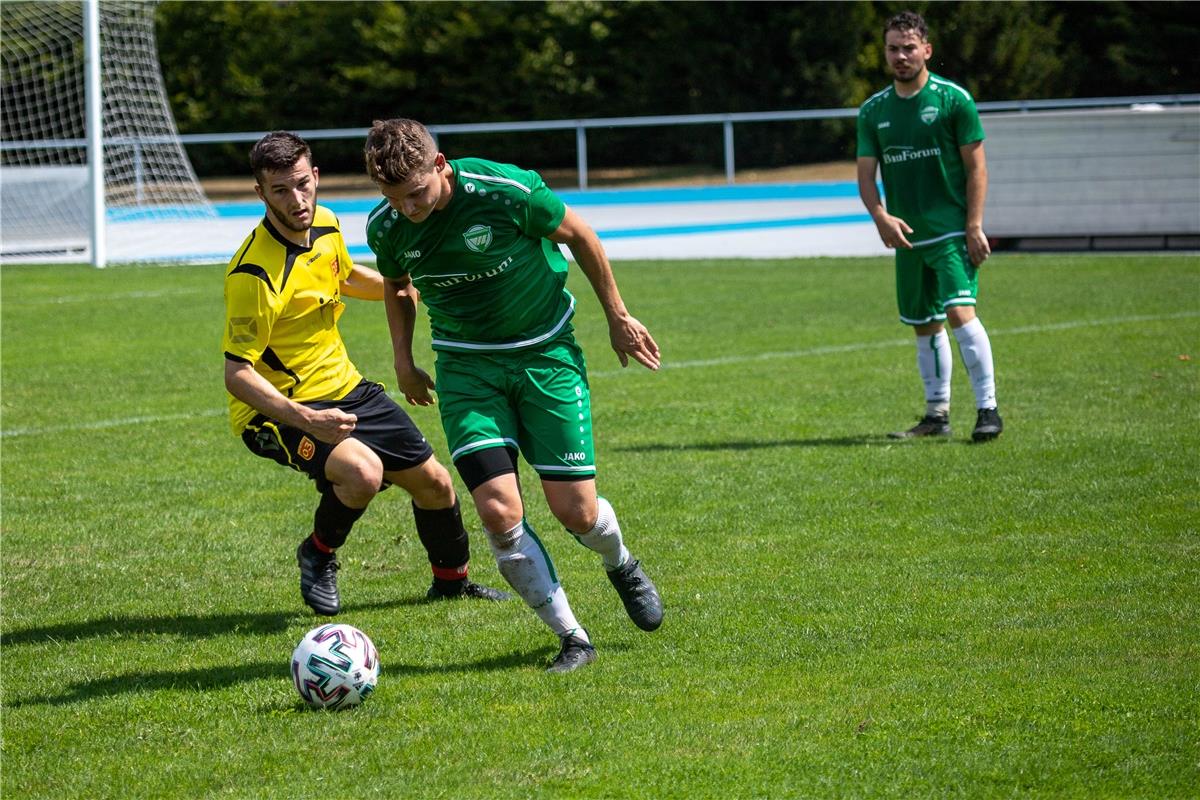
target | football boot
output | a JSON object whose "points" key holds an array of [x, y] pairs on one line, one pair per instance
{"points": [[318, 578], [638, 593]]}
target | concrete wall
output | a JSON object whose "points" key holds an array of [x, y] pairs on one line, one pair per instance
{"points": [[1093, 173]]}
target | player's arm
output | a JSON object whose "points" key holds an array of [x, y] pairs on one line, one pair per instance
{"points": [[975, 165], [363, 283], [629, 337], [400, 301], [330, 425], [891, 229]]}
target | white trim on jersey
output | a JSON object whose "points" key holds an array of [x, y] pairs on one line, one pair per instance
{"points": [[937, 239], [375, 214], [497, 179], [880, 93], [482, 443], [495, 347], [953, 85]]}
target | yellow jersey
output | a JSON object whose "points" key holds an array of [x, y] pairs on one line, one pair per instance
{"points": [[282, 304]]}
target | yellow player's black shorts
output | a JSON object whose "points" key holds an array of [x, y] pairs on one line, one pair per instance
{"points": [[382, 425]]}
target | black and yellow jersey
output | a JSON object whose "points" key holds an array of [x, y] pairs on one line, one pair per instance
{"points": [[282, 304]]}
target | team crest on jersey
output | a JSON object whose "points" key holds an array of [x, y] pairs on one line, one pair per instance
{"points": [[929, 114], [478, 237], [335, 267], [243, 329], [306, 448]]}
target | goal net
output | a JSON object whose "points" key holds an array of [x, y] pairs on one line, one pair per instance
{"points": [[150, 188]]}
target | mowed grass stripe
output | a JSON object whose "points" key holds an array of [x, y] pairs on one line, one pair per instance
{"points": [[694, 364], [847, 616]]}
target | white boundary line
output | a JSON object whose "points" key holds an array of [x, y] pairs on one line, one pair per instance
{"points": [[105, 298], [699, 363], [112, 423], [850, 348]]}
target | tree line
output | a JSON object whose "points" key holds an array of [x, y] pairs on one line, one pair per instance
{"points": [[247, 66]]}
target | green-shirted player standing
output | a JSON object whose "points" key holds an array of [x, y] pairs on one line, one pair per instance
{"points": [[477, 241], [923, 134]]}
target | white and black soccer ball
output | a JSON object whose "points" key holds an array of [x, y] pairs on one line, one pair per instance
{"points": [[335, 666]]}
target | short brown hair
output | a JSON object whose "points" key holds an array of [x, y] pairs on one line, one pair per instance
{"points": [[397, 149], [276, 151], [907, 21]]}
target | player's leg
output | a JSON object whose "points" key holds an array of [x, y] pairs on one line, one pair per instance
{"points": [[408, 461], [481, 430], [958, 286], [438, 517], [520, 555], [935, 364], [919, 307], [574, 503], [352, 477], [340, 505], [556, 437]]}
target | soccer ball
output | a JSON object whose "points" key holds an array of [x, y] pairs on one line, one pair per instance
{"points": [[335, 666]]}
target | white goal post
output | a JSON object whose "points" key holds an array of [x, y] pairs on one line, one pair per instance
{"points": [[91, 165]]}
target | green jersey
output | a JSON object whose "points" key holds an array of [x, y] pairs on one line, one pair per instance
{"points": [[490, 279], [916, 141]]}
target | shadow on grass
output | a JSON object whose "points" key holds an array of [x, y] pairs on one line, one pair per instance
{"points": [[187, 625], [204, 679], [836, 441], [207, 679], [193, 626]]}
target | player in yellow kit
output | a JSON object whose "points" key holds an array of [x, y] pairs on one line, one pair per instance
{"points": [[296, 398]]}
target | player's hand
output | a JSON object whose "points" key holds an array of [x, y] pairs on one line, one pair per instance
{"points": [[416, 385], [630, 338], [978, 247], [892, 231], [331, 425]]}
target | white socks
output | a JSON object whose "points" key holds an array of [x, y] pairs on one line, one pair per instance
{"points": [[976, 350], [605, 537], [935, 364], [526, 566]]}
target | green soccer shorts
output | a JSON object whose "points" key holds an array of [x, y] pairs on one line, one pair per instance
{"points": [[533, 400], [931, 277]]}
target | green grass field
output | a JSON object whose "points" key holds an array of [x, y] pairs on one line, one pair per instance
{"points": [[846, 616]]}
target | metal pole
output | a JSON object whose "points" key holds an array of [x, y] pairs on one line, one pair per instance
{"points": [[581, 155], [95, 130], [728, 126]]}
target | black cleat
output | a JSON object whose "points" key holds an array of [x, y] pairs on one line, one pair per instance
{"points": [[637, 591], [930, 425], [466, 591], [575, 653], [988, 425], [318, 579]]}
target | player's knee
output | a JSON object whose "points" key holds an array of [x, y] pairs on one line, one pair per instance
{"points": [[434, 489], [359, 481], [577, 515], [498, 514], [504, 540], [960, 315]]}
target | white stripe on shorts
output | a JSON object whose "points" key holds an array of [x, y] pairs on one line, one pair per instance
{"points": [[560, 468], [480, 444]]}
